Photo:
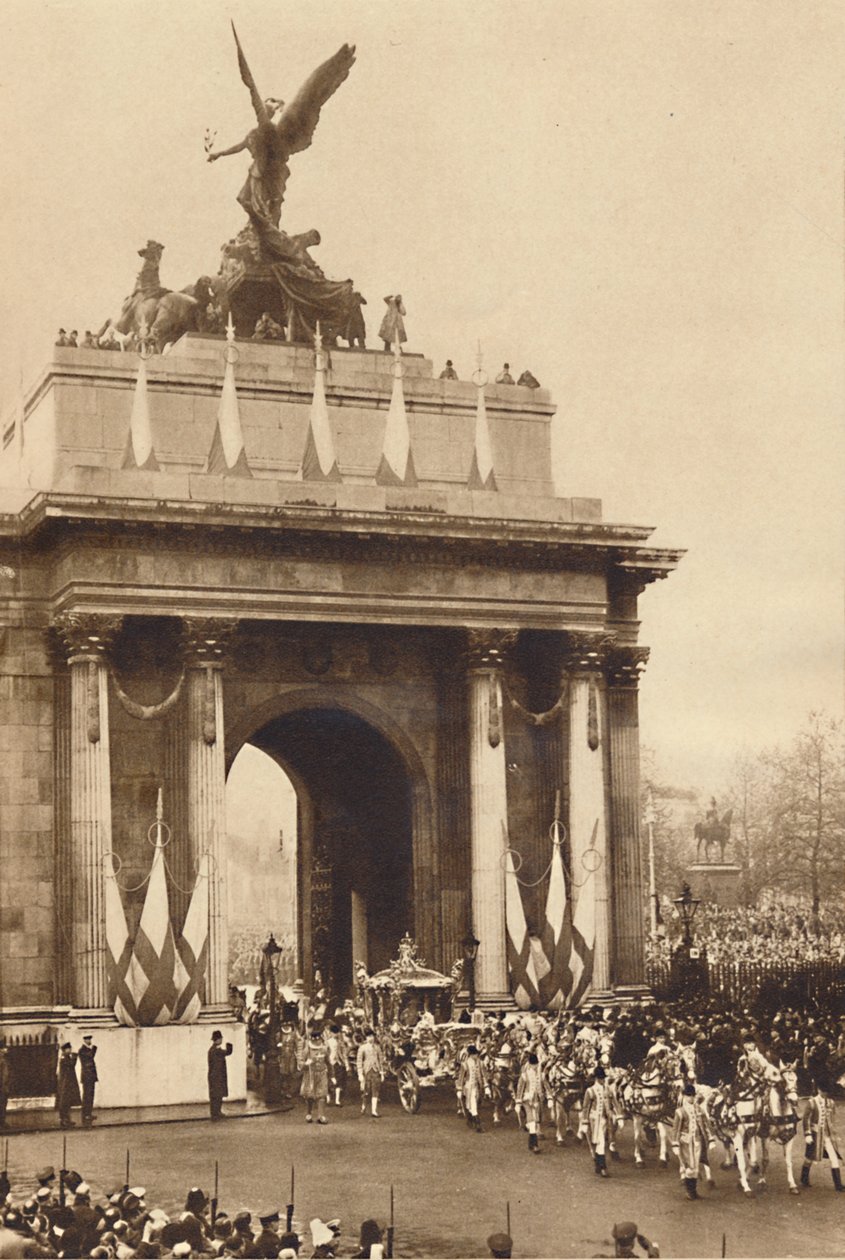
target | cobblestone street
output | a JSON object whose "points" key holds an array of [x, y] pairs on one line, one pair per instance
{"points": [[451, 1185]]}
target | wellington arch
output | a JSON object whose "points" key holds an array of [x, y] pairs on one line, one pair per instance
{"points": [[437, 659]]}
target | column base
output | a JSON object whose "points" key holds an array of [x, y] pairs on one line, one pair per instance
{"points": [[625, 993], [495, 1002]]}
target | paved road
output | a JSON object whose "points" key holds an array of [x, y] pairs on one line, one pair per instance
{"points": [[451, 1185]]}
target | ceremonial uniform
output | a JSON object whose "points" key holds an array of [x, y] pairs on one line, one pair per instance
{"points": [[692, 1137], [471, 1083], [315, 1076], [370, 1068], [599, 1114], [529, 1096], [338, 1062], [820, 1137]]}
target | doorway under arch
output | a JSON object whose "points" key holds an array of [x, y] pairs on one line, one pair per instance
{"points": [[358, 806]]}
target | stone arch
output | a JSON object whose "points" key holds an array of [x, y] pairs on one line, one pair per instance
{"points": [[426, 901]]}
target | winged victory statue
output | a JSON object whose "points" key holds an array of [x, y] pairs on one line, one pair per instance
{"points": [[282, 130]]}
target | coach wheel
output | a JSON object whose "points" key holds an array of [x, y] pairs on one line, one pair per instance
{"points": [[409, 1087]]}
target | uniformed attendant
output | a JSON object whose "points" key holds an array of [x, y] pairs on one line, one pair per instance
{"points": [[89, 1077], [625, 1235], [370, 1068], [529, 1096], [598, 1117], [820, 1135], [218, 1080], [500, 1246], [370, 1246], [338, 1062], [692, 1138], [471, 1083], [315, 1074], [67, 1086]]}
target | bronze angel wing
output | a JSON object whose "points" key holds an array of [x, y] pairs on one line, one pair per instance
{"points": [[246, 74], [299, 118]]}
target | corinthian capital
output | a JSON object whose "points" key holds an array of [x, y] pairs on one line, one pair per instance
{"points": [[205, 640], [625, 664], [488, 649], [584, 651], [86, 636]]}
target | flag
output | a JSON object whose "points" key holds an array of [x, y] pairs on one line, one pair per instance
{"points": [[139, 444], [583, 933], [556, 936], [151, 972], [192, 950], [118, 949], [397, 459], [481, 475], [228, 454], [319, 463], [520, 959]]}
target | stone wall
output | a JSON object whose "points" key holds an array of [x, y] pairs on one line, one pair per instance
{"points": [[27, 927]]}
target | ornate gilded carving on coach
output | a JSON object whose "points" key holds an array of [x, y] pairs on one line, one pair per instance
{"points": [[88, 637], [625, 665]]}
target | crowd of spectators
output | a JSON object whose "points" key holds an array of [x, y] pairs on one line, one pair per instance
{"points": [[61, 1217], [775, 933]]}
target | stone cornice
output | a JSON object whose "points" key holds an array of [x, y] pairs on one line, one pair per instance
{"points": [[296, 526]]}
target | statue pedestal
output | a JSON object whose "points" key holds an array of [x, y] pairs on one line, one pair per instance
{"points": [[716, 882]]}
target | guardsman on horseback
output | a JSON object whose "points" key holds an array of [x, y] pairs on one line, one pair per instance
{"points": [[692, 1138], [820, 1135]]}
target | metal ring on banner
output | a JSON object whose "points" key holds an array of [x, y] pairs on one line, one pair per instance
{"points": [[480, 378], [144, 351], [231, 353], [159, 826], [588, 866], [557, 826], [113, 874]]}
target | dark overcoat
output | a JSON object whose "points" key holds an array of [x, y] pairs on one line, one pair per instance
{"points": [[218, 1080], [67, 1086]]}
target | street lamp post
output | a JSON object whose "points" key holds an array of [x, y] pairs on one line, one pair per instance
{"points": [[470, 947], [272, 1075], [687, 906]]}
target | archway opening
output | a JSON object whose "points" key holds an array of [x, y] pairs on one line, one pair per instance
{"points": [[354, 867], [262, 861]]}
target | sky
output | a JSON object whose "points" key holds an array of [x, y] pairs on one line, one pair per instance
{"points": [[642, 202]]}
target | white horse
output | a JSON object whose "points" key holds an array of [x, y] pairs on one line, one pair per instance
{"points": [[779, 1122], [736, 1113]]}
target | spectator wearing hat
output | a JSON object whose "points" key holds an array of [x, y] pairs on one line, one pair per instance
{"points": [[67, 1086], [61, 338], [529, 1096], [5, 1082], [500, 1246], [369, 1243], [626, 1236], [504, 377], [289, 1245], [692, 1138], [218, 1079], [369, 1065], [89, 1078], [323, 1239], [448, 373], [242, 1228], [267, 1242], [599, 1116]]}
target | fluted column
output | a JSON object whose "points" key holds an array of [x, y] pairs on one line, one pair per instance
{"points": [[584, 657], [205, 640], [86, 638], [488, 812], [624, 667]]}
